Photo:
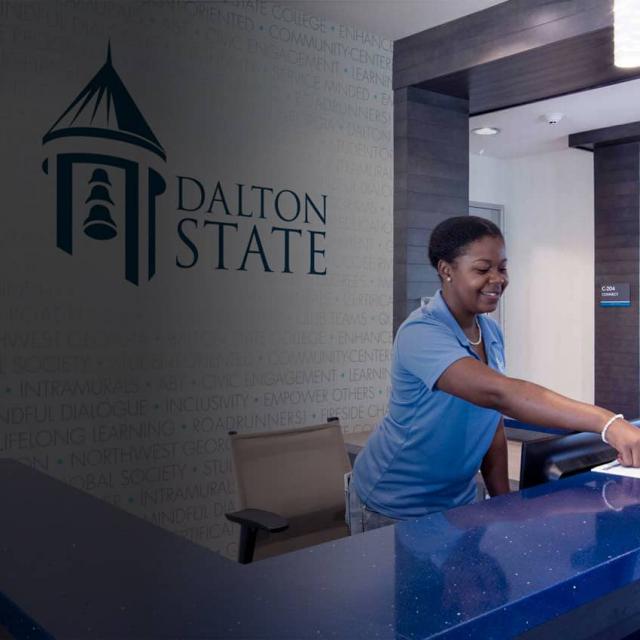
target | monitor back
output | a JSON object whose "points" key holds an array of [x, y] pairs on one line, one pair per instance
{"points": [[555, 458]]}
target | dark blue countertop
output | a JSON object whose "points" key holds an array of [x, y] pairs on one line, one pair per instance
{"points": [[72, 566]]}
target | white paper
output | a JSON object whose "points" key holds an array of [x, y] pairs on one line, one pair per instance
{"points": [[616, 469]]}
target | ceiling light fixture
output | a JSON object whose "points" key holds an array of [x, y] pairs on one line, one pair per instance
{"points": [[486, 131], [626, 33]]}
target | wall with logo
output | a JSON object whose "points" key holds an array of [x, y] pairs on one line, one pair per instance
{"points": [[196, 237], [549, 316]]}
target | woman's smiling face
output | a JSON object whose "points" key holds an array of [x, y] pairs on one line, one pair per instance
{"points": [[478, 276]]}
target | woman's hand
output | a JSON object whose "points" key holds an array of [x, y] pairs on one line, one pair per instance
{"points": [[625, 438]]}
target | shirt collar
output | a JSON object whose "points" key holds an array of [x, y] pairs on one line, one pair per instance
{"points": [[437, 307]]}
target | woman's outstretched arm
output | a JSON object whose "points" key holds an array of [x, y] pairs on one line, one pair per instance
{"points": [[477, 383]]}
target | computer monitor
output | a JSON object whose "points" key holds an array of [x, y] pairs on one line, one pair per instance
{"points": [[562, 456]]}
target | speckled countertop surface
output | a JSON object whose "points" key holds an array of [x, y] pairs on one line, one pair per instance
{"points": [[74, 567]]}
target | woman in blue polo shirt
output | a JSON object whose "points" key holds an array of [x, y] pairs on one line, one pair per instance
{"points": [[449, 392]]}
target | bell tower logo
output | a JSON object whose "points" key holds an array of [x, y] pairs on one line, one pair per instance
{"points": [[106, 163]]}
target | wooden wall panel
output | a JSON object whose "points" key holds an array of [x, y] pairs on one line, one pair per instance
{"points": [[617, 259], [514, 53], [549, 71], [431, 165], [503, 31], [506, 29]]}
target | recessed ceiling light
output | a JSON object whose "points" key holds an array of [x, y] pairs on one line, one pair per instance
{"points": [[486, 131]]}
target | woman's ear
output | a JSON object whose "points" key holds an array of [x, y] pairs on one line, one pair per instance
{"points": [[444, 271]]}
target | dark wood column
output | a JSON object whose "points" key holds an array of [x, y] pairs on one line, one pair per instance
{"points": [[617, 260], [431, 166]]}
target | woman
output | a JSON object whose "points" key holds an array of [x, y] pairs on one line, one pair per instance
{"points": [[449, 392]]}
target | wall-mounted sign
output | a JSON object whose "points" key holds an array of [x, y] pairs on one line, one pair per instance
{"points": [[614, 294], [250, 246]]}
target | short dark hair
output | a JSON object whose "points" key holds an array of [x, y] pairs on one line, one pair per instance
{"points": [[451, 236]]}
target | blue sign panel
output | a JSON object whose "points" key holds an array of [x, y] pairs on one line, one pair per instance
{"points": [[615, 295]]}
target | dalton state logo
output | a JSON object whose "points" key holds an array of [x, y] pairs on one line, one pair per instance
{"points": [[105, 161]]}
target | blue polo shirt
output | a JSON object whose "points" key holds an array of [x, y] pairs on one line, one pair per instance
{"points": [[424, 455]]}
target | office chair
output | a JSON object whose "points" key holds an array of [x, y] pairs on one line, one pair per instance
{"points": [[290, 489]]}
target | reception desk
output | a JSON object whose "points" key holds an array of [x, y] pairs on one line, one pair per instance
{"points": [[558, 560]]}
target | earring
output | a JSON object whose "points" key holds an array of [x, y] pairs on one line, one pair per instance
{"points": [[448, 278]]}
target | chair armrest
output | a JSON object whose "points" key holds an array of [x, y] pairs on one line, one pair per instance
{"points": [[260, 519]]}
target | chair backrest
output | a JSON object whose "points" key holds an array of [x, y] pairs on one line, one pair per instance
{"points": [[291, 472]]}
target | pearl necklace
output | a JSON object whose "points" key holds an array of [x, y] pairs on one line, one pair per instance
{"points": [[475, 344]]}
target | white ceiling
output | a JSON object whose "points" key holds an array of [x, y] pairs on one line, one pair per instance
{"points": [[524, 130]]}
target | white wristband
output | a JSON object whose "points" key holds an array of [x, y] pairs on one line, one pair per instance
{"points": [[610, 421]]}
